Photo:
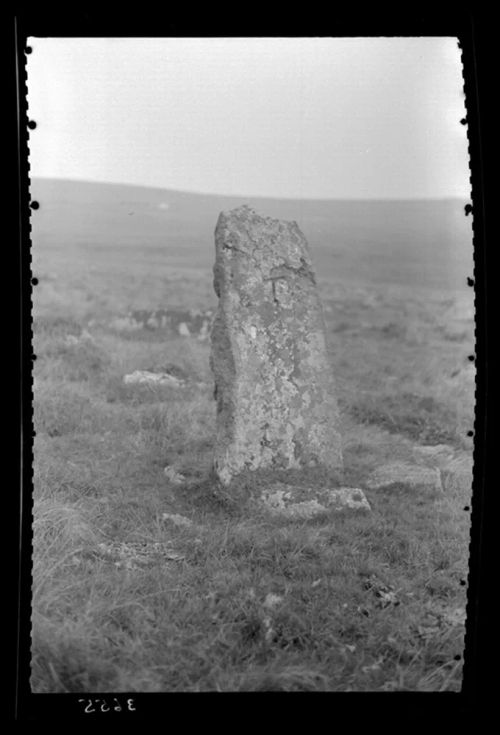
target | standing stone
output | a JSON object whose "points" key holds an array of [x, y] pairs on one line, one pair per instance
{"points": [[276, 404]]}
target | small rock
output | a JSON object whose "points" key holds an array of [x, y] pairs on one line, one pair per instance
{"points": [[348, 497], [194, 323], [272, 600], [457, 616], [70, 340], [298, 502], [385, 594], [135, 555], [146, 377], [268, 628], [205, 329], [178, 520], [375, 666], [124, 324], [423, 479], [175, 477]]}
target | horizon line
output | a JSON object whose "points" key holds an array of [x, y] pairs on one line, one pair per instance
{"points": [[254, 196]]}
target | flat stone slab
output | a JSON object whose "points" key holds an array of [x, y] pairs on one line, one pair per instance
{"points": [[414, 477], [292, 501], [276, 403]]}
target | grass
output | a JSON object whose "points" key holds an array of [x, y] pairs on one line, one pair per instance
{"points": [[206, 621]]}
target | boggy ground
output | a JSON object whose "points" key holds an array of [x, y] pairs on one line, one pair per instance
{"points": [[238, 600]]}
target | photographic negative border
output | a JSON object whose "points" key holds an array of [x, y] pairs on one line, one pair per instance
{"points": [[473, 36]]}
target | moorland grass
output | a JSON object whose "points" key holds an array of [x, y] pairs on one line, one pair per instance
{"points": [[206, 621]]}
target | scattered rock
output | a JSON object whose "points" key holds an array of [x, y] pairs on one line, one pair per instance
{"points": [[385, 594], [436, 620], [175, 477], [72, 340], [136, 555], [415, 477], [291, 501], [149, 378], [178, 520], [276, 404], [267, 625], [124, 324], [272, 601], [375, 666], [348, 497], [187, 323], [455, 616]]}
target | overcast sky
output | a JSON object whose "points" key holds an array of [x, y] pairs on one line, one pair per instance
{"points": [[310, 117]]}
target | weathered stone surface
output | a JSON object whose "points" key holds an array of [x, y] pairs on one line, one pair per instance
{"points": [[291, 501], [414, 477], [276, 404]]}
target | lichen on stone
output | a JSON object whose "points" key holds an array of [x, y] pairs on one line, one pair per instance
{"points": [[276, 404]]}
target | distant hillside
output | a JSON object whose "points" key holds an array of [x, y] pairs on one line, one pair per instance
{"points": [[421, 243]]}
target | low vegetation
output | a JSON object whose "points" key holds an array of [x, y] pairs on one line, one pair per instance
{"points": [[241, 602]]}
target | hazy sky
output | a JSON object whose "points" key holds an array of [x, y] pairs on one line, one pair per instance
{"points": [[310, 117]]}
